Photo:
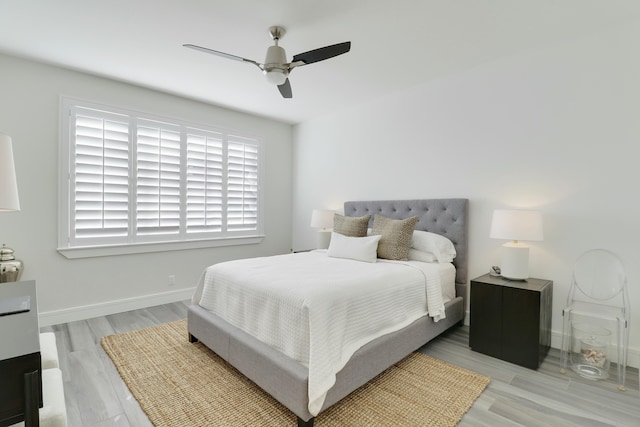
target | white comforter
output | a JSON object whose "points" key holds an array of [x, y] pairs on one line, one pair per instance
{"points": [[320, 310]]}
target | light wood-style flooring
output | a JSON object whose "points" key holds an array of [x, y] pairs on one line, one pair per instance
{"points": [[96, 396]]}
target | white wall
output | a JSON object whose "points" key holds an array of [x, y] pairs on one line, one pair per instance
{"points": [[71, 289], [556, 130]]}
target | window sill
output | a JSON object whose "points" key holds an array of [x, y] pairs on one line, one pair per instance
{"points": [[138, 248]]}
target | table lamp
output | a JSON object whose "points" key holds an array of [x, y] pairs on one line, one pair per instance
{"points": [[322, 219], [516, 225], [10, 267]]}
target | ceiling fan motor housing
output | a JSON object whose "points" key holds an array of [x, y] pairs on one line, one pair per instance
{"points": [[275, 67]]}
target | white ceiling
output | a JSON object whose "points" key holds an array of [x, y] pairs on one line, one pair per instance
{"points": [[395, 44]]}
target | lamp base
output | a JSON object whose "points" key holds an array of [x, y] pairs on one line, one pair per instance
{"points": [[10, 267], [515, 261], [323, 239]]}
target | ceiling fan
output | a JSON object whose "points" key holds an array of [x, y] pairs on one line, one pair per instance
{"points": [[275, 67]]}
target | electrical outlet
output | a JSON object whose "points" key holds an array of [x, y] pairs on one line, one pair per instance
{"points": [[172, 279]]}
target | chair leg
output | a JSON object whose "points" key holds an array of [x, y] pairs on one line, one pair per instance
{"points": [[623, 343], [566, 341]]}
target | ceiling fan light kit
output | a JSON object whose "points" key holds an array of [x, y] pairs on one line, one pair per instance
{"points": [[275, 67]]}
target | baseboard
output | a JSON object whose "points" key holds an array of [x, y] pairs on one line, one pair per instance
{"points": [[56, 317]]}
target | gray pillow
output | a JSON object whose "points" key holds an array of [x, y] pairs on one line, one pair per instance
{"points": [[396, 236], [352, 226]]}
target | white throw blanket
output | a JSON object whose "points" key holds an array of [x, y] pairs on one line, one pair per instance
{"points": [[320, 310]]}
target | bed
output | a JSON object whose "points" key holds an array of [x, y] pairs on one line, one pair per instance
{"points": [[287, 379]]}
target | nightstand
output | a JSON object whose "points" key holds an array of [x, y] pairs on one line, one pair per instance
{"points": [[20, 363], [511, 319]]}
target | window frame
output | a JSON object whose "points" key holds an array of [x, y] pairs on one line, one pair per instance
{"points": [[68, 243]]}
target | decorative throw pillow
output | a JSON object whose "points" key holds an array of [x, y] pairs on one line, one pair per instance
{"points": [[396, 236], [356, 248], [353, 226]]}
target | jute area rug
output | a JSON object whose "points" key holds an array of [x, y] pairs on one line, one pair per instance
{"points": [[182, 384]]}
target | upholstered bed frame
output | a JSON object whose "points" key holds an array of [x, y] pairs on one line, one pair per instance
{"points": [[286, 379]]}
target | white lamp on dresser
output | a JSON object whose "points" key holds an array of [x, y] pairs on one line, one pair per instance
{"points": [[10, 268], [516, 225]]}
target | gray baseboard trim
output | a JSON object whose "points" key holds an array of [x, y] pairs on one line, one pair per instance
{"points": [[56, 317]]}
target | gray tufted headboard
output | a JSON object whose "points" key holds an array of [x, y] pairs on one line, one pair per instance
{"points": [[448, 217]]}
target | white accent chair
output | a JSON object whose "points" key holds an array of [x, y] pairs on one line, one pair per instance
{"points": [[48, 350], [53, 412]]}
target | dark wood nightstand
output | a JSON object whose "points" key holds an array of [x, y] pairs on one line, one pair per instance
{"points": [[511, 319]]}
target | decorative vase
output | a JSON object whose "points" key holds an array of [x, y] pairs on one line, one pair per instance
{"points": [[10, 267]]}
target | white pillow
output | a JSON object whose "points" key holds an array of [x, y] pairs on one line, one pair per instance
{"points": [[416, 255], [437, 244], [356, 248]]}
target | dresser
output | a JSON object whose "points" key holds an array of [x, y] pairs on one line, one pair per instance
{"points": [[20, 363], [511, 319]]}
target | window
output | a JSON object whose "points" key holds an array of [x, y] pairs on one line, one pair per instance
{"points": [[132, 182]]}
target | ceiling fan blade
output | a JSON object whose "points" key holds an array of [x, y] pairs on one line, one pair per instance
{"points": [[322, 53], [222, 54], [285, 89]]}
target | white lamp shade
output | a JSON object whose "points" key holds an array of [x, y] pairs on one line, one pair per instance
{"points": [[8, 184], [321, 218], [516, 225]]}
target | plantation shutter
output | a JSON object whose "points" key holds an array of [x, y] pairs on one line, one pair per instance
{"points": [[130, 178], [158, 179], [99, 172], [205, 181], [242, 184]]}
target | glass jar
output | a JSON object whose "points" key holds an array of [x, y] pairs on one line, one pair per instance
{"points": [[590, 351]]}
